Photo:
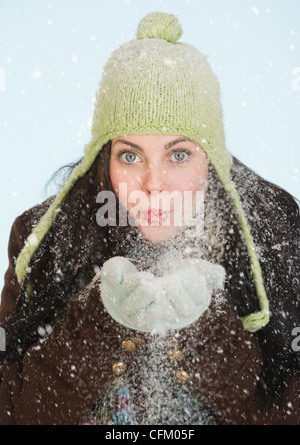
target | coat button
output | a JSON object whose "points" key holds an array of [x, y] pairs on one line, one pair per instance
{"points": [[175, 355], [181, 376], [119, 368], [128, 345]]}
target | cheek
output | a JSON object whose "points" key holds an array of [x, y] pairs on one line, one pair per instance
{"points": [[123, 182], [194, 179], [117, 176]]}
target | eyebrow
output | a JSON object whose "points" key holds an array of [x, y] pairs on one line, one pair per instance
{"points": [[167, 146]]}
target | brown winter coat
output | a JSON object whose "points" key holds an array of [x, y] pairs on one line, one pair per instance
{"points": [[58, 380]]}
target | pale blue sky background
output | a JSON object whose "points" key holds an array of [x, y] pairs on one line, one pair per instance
{"points": [[52, 53]]}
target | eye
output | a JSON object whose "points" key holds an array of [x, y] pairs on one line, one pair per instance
{"points": [[180, 156], [129, 157]]}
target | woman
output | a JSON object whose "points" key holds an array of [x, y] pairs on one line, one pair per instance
{"points": [[119, 318]]}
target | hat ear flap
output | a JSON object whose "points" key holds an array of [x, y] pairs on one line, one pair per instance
{"points": [[257, 320]]}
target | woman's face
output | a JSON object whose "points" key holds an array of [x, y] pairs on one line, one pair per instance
{"points": [[156, 178]]}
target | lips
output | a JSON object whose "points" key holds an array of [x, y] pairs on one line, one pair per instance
{"points": [[154, 215]]}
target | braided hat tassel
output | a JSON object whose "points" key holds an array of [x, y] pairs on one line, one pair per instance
{"points": [[256, 320]]}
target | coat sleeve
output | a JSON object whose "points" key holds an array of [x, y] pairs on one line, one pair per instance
{"points": [[59, 378], [225, 367], [20, 230]]}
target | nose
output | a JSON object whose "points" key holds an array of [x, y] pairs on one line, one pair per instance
{"points": [[153, 179]]}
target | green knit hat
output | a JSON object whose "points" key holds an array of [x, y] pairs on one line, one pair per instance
{"points": [[157, 85]]}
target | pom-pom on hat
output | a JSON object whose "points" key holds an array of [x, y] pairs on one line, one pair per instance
{"points": [[155, 84]]}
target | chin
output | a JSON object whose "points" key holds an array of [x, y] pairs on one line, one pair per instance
{"points": [[159, 234]]}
